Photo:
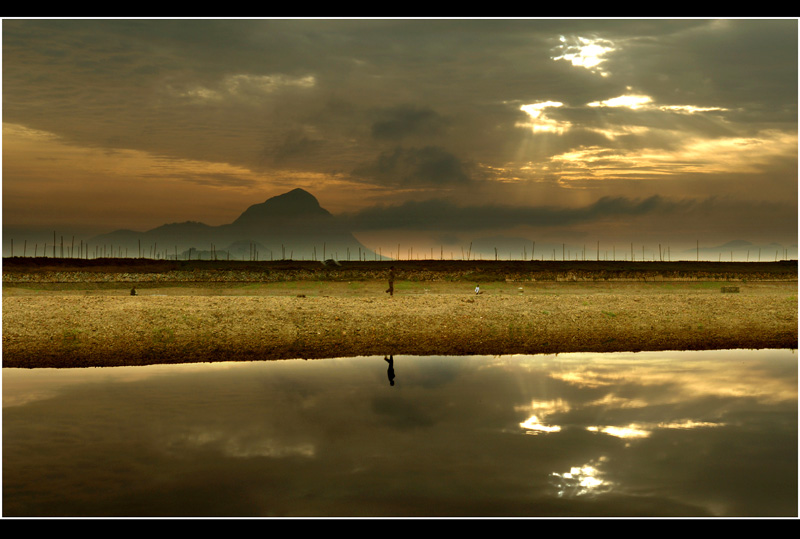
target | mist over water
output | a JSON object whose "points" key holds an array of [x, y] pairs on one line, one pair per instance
{"points": [[631, 434]]}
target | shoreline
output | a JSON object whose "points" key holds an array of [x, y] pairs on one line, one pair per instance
{"points": [[189, 324]]}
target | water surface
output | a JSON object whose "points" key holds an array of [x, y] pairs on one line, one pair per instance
{"points": [[631, 434]]}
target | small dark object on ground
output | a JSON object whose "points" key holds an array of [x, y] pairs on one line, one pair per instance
{"points": [[730, 289]]}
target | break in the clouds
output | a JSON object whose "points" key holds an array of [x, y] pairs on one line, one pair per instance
{"points": [[480, 123]]}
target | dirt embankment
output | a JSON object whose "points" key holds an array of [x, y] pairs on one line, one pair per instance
{"points": [[66, 270], [72, 328]]}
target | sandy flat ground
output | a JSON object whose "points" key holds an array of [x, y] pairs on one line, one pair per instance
{"points": [[58, 325]]}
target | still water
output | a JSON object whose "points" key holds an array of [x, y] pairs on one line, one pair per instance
{"points": [[632, 434]]}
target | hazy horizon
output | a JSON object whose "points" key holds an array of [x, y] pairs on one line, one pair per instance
{"points": [[433, 134], [126, 243]]}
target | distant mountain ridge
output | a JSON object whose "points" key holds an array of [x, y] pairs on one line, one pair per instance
{"points": [[297, 202], [291, 225]]}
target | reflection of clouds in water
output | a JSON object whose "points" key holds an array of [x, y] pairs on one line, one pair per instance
{"points": [[400, 413], [431, 372], [645, 382], [615, 401], [689, 424], [682, 376], [276, 431], [540, 410], [533, 425], [237, 446], [545, 407], [24, 386], [643, 430], [630, 431], [29, 396], [585, 480]]}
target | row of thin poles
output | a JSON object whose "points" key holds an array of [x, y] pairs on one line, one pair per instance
{"points": [[59, 250], [104, 251], [663, 254]]}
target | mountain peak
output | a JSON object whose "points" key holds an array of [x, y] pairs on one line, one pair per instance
{"points": [[291, 225], [297, 196], [297, 203]]}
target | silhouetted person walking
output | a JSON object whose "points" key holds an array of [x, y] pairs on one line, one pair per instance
{"points": [[391, 281], [390, 372]]}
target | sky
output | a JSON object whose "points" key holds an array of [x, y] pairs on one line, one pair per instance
{"points": [[434, 133]]}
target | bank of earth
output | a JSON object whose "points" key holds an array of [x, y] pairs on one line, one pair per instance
{"points": [[102, 324]]}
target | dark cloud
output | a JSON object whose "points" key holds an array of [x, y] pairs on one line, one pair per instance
{"points": [[197, 88], [725, 63], [296, 146], [440, 214], [405, 121], [409, 167]]}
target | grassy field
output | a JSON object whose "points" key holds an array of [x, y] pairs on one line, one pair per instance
{"points": [[67, 316]]}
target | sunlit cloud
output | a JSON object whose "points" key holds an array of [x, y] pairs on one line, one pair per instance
{"points": [[737, 154], [541, 123], [48, 150], [244, 86], [645, 102], [690, 108], [629, 101], [584, 52], [696, 155], [23, 133], [614, 132]]}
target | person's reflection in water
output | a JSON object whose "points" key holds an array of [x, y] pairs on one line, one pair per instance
{"points": [[390, 372]]}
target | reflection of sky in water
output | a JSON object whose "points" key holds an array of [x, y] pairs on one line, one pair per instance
{"points": [[583, 480], [671, 433]]}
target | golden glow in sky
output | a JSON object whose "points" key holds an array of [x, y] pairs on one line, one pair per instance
{"points": [[539, 121], [630, 101], [140, 123], [585, 52]]}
